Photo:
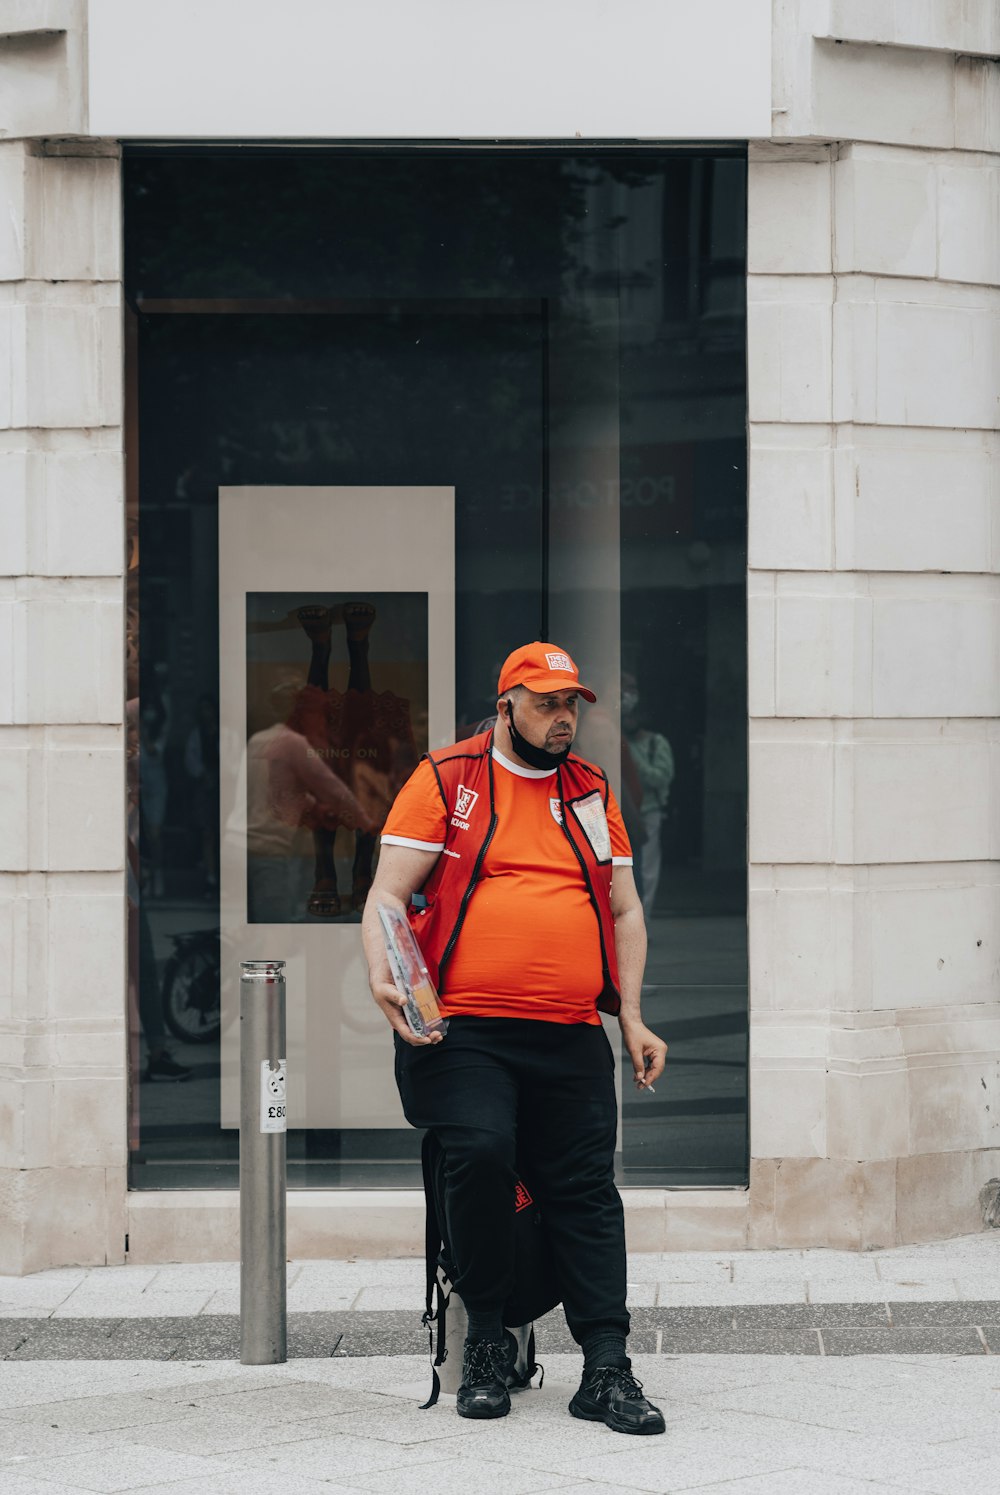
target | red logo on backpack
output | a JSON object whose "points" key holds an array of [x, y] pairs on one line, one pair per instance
{"points": [[521, 1197]]}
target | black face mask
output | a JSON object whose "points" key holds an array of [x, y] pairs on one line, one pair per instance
{"points": [[535, 756]]}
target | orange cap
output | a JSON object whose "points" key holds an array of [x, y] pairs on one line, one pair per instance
{"points": [[541, 667]]}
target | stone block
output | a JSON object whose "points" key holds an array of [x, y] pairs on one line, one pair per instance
{"points": [[61, 511], [915, 343], [53, 1217], [75, 225], [891, 343], [73, 658], [790, 501], [885, 214], [43, 69], [993, 749], [88, 1120], [953, 1097], [10, 653], [760, 643], [883, 94], [969, 223], [868, 1113], [914, 500], [78, 810], [196, 1225], [13, 170], [935, 646], [944, 25], [14, 781], [937, 1193], [76, 521], [65, 365], [788, 218], [823, 646], [645, 1220], [789, 342], [761, 1232], [845, 1205], [913, 792], [788, 1102], [800, 938], [13, 513], [86, 950], [977, 104], [706, 1221], [791, 793], [934, 934]]}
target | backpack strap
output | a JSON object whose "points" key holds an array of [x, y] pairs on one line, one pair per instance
{"points": [[433, 1240]]}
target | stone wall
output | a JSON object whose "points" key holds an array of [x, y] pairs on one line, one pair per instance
{"points": [[874, 375], [62, 889], [874, 597]]}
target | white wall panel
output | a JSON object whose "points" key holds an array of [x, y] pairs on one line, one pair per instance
{"points": [[385, 69]]}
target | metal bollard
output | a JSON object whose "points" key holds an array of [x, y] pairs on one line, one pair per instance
{"points": [[263, 1236]]}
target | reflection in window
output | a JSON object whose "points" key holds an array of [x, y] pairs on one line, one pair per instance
{"points": [[559, 338]]}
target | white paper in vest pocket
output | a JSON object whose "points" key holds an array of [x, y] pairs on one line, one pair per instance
{"points": [[589, 811]]}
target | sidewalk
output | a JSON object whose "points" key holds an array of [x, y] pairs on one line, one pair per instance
{"points": [[802, 1372]]}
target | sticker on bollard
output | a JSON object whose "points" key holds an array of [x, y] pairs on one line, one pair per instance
{"points": [[273, 1099]]}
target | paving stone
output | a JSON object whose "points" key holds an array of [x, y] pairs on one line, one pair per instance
{"points": [[459, 1476], [904, 1340], [741, 1342], [944, 1313], [340, 1457], [118, 1466], [809, 1315], [94, 1414]]}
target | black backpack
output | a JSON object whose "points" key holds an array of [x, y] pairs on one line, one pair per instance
{"points": [[536, 1288]]}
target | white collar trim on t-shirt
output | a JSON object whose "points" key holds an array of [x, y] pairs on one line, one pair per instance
{"points": [[522, 773]]}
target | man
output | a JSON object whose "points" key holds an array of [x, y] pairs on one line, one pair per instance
{"points": [[653, 760], [532, 923]]}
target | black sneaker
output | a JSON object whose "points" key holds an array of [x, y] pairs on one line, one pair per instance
{"points": [[612, 1395], [164, 1067], [487, 1366]]}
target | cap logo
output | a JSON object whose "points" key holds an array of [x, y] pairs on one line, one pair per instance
{"points": [[559, 662]]}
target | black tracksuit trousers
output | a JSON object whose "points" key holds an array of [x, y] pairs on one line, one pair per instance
{"points": [[499, 1090]]}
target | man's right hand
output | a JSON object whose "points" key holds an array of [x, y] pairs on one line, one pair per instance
{"points": [[388, 998]]}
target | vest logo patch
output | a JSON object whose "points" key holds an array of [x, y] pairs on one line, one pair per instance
{"points": [[555, 805], [464, 802], [559, 662], [521, 1197]]}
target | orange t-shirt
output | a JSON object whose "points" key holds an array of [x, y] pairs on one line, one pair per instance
{"points": [[530, 945]]}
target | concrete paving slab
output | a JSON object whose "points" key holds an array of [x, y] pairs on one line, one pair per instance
{"points": [[838, 1291], [292, 1400], [148, 1304], [919, 1339], [460, 1476], [795, 1481], [16, 1484], [725, 1294], [241, 1482], [809, 1315], [95, 1413], [340, 1457], [211, 1432], [117, 1466], [956, 1312]]}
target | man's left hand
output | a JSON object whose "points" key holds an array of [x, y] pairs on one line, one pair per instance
{"points": [[647, 1052]]}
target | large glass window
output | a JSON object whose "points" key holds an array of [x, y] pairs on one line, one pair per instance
{"points": [[391, 413]]}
